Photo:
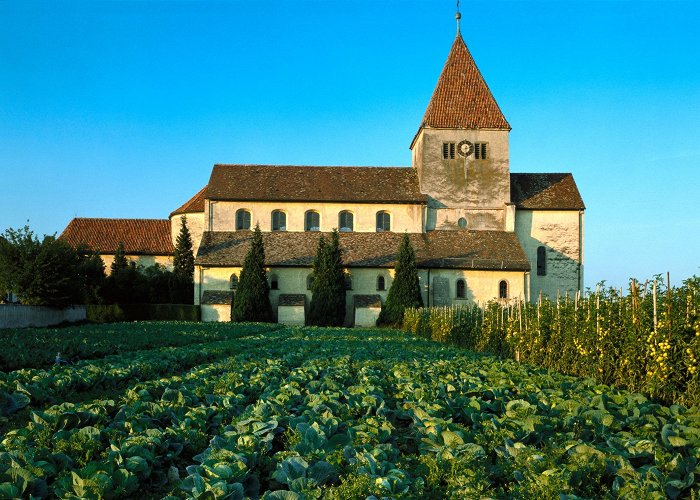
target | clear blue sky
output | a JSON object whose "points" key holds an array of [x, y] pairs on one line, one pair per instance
{"points": [[119, 109]]}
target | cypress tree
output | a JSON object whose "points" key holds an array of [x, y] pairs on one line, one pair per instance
{"points": [[405, 289], [119, 261], [327, 306], [181, 287], [252, 299], [183, 261]]}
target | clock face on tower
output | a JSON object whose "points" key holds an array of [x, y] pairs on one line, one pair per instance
{"points": [[465, 148]]}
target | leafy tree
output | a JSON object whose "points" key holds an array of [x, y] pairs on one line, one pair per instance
{"points": [[327, 306], [39, 272], [119, 262], [91, 275], [405, 289], [252, 299]]}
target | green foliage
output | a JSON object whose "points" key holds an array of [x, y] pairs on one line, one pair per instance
{"points": [[274, 412], [405, 289], [327, 306], [39, 272], [603, 334], [251, 301], [183, 266], [91, 275], [120, 262], [112, 313]]}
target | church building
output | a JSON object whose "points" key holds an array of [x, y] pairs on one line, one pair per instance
{"points": [[479, 231]]}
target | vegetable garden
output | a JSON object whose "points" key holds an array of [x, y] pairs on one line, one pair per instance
{"points": [[647, 340], [263, 411]]}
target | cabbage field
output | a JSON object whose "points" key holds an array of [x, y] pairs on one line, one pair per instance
{"points": [[263, 411]]}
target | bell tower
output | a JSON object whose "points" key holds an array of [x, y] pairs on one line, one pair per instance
{"points": [[461, 150]]}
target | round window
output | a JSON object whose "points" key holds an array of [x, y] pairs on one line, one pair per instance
{"points": [[462, 222]]}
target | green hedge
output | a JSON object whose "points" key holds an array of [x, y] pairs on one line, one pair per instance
{"points": [[113, 313]]}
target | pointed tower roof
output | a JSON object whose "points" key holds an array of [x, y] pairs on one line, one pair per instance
{"points": [[461, 98]]}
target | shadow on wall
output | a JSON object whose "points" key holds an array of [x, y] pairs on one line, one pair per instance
{"points": [[561, 272]]}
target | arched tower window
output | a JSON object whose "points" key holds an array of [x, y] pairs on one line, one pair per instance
{"points": [[381, 283], [541, 261], [503, 289], [461, 289], [233, 282], [279, 220], [346, 222], [242, 220], [348, 282], [274, 282], [383, 221], [309, 281], [312, 221]]}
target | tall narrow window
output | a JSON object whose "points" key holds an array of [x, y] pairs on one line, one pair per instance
{"points": [[381, 283], [541, 261], [279, 220], [480, 150], [312, 221], [274, 282], [346, 222], [309, 281], [348, 282], [461, 291], [383, 221], [448, 150], [242, 220], [233, 282], [503, 290]]}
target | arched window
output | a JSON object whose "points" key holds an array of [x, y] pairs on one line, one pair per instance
{"points": [[309, 281], [381, 283], [233, 282], [279, 220], [348, 282], [274, 282], [346, 222], [541, 261], [383, 221], [503, 290], [461, 291], [312, 221], [462, 222], [242, 220]]}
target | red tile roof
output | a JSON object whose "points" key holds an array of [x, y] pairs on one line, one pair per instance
{"points": [[462, 98], [193, 205], [545, 192], [314, 184], [436, 249], [139, 236]]}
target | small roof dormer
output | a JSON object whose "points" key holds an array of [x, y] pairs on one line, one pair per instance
{"points": [[462, 99]]}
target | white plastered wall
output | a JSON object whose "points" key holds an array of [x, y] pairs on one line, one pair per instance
{"points": [[561, 233], [141, 260], [195, 224], [404, 217], [481, 286]]}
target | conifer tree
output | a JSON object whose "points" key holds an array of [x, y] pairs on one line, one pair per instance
{"points": [[251, 301], [327, 306], [405, 289], [183, 261], [119, 262]]}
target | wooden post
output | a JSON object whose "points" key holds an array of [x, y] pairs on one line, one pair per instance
{"points": [[668, 302], [653, 289]]}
